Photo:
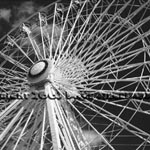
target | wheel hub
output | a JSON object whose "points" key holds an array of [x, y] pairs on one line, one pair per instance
{"points": [[39, 72], [37, 68]]}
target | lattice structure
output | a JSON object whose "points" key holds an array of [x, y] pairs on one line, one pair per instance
{"points": [[75, 76]]}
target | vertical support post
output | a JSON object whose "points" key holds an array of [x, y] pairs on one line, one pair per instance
{"points": [[52, 118], [65, 131]]}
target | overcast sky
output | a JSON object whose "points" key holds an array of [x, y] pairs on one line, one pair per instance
{"points": [[13, 12]]}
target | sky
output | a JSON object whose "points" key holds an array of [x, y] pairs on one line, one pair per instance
{"points": [[13, 12]]}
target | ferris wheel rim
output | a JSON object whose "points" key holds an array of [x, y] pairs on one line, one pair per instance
{"points": [[118, 123]]}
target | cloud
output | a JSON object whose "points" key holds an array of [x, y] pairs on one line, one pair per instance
{"points": [[24, 10], [15, 14], [27, 8], [93, 138], [5, 14]]}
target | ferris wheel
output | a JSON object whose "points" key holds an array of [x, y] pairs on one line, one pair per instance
{"points": [[75, 76]]}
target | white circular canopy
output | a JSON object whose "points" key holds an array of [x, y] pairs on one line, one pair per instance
{"points": [[37, 68]]}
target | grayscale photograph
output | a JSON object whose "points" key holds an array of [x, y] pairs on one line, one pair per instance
{"points": [[74, 74]]}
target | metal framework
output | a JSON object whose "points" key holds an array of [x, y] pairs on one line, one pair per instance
{"points": [[75, 76]]}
